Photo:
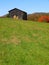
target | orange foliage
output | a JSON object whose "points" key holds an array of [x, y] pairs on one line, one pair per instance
{"points": [[44, 19]]}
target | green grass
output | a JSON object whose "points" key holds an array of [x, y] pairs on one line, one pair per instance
{"points": [[23, 42]]}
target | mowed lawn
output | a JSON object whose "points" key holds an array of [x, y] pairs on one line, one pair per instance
{"points": [[23, 42]]}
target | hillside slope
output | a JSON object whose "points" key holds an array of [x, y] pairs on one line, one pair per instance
{"points": [[23, 42]]}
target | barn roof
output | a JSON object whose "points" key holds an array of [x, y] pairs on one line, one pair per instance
{"points": [[17, 9]]}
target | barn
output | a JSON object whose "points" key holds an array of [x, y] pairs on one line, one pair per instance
{"points": [[18, 14]]}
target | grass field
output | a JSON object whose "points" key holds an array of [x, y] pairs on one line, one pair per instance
{"points": [[23, 42]]}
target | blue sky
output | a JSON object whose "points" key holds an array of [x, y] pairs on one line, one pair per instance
{"points": [[30, 6]]}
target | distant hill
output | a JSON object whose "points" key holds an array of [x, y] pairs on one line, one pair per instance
{"points": [[5, 16], [31, 17], [35, 16]]}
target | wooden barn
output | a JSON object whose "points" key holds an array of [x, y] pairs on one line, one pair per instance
{"points": [[18, 14]]}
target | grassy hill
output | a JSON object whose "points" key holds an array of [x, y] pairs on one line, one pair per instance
{"points": [[23, 42]]}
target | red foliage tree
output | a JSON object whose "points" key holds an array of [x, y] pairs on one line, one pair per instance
{"points": [[44, 19]]}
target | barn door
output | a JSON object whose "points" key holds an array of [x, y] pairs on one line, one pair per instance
{"points": [[15, 17]]}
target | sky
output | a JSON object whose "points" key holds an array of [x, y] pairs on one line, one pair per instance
{"points": [[29, 6]]}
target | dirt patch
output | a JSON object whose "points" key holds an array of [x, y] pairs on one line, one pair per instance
{"points": [[4, 40], [27, 39], [12, 39]]}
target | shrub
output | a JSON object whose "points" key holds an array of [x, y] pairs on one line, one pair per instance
{"points": [[44, 19]]}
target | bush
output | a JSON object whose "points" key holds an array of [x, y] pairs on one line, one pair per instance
{"points": [[44, 19]]}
